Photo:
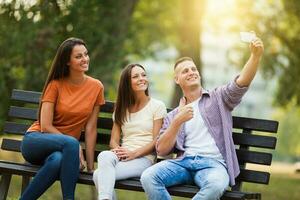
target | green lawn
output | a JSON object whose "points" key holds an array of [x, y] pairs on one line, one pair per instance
{"points": [[281, 187]]}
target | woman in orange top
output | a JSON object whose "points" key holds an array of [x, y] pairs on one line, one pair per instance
{"points": [[70, 103]]}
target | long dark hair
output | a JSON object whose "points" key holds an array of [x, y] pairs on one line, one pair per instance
{"points": [[59, 67], [125, 98]]}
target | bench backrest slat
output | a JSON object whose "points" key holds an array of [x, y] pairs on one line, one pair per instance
{"points": [[254, 157], [23, 113], [255, 124], [253, 176], [244, 139], [102, 138], [20, 129], [255, 140], [15, 128], [104, 123], [243, 155], [31, 114], [34, 98], [11, 145], [26, 96], [240, 139]]}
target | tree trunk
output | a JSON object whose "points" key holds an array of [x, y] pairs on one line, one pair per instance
{"points": [[189, 38]]}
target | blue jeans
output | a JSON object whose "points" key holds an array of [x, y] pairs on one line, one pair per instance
{"points": [[59, 156], [207, 173]]}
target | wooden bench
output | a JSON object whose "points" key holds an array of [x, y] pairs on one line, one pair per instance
{"points": [[23, 112]]}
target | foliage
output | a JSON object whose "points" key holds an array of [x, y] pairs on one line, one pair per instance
{"points": [[190, 16], [36, 32], [154, 27], [31, 32], [279, 27], [30, 35]]}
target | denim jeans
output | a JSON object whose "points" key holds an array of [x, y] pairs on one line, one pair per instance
{"points": [[111, 169], [208, 174], [59, 156]]}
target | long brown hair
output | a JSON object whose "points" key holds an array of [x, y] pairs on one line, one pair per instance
{"points": [[59, 67], [125, 98]]}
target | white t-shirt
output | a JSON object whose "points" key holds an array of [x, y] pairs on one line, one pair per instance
{"points": [[198, 140], [137, 130]]}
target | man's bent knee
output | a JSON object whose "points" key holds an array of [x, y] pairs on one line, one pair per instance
{"points": [[145, 177], [215, 189], [148, 177]]}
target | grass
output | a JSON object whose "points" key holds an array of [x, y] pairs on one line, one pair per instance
{"points": [[282, 186]]}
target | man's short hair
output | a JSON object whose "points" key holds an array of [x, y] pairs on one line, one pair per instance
{"points": [[180, 60]]}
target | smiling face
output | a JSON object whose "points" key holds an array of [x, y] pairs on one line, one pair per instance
{"points": [[139, 80], [79, 59], [187, 74]]}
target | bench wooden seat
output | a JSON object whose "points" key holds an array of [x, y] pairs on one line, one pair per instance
{"points": [[23, 112]]}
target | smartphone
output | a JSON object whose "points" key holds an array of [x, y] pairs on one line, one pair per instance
{"points": [[247, 36]]}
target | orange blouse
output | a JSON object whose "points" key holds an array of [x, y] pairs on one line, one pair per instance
{"points": [[73, 104]]}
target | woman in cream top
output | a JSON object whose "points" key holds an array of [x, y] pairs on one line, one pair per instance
{"points": [[137, 121]]}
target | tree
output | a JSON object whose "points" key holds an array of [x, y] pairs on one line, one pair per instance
{"points": [[189, 29], [279, 27], [31, 33], [116, 32]]}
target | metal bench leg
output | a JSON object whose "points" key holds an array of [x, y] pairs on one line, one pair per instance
{"points": [[4, 185], [259, 197], [25, 183]]}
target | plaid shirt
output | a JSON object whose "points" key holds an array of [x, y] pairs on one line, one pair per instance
{"points": [[215, 108]]}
